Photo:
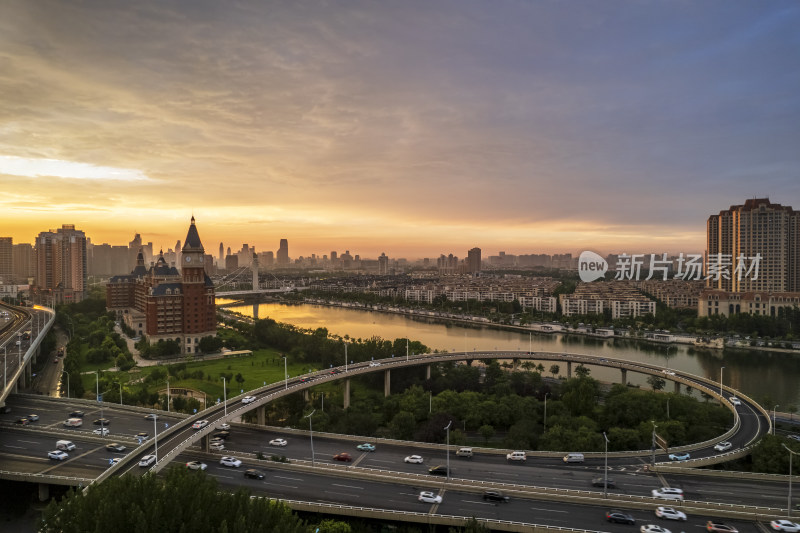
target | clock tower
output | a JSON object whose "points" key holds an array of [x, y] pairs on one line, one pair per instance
{"points": [[192, 257], [199, 310]]}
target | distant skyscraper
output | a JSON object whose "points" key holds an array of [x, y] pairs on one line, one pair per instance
{"points": [[23, 267], [756, 228], [383, 265], [221, 255], [61, 263], [474, 261], [283, 253], [6, 260]]}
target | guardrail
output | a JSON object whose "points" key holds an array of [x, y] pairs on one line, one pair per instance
{"points": [[44, 478]]}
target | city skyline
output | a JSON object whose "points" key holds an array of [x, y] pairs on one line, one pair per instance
{"points": [[406, 128]]}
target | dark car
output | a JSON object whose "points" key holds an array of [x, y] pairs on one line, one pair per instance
{"points": [[101, 422], [619, 517], [494, 496], [439, 470], [76, 414], [253, 474], [115, 447], [598, 482], [22, 421], [719, 527], [344, 456], [222, 435], [142, 435]]}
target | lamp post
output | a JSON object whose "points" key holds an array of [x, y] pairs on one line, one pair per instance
{"points": [[311, 436], [5, 368], [653, 444], [773, 418], [155, 436], [605, 468], [120, 390], [322, 400], [668, 399], [168, 402], [546, 394], [406, 348], [224, 396], [448, 448], [789, 500], [67, 373], [720, 383], [285, 374], [345, 356]]}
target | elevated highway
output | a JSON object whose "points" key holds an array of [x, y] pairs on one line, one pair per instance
{"points": [[19, 348]]}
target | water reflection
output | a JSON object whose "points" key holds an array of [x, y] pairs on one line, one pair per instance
{"points": [[766, 376]]}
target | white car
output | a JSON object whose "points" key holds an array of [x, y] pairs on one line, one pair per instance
{"points": [[670, 514], [224, 427], [735, 401], [216, 446], [723, 446], [784, 525], [196, 465], [278, 442], [374, 363], [230, 461], [429, 497], [147, 460], [200, 424], [667, 493], [652, 528], [58, 455], [248, 399], [413, 459], [101, 431]]}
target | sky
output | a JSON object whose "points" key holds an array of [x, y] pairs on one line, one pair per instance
{"points": [[410, 127]]}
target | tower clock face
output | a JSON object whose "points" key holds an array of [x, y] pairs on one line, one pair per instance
{"points": [[188, 259]]}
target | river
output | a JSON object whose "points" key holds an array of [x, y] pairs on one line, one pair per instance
{"points": [[768, 377]]}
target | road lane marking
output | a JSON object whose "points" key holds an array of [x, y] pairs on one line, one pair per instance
{"points": [[28, 441], [341, 494], [347, 486], [289, 478], [548, 510], [279, 485]]}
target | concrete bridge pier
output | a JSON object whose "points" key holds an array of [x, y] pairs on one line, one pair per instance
{"points": [[261, 415], [387, 383], [204, 442], [44, 492], [305, 394], [347, 393], [569, 369], [677, 388], [427, 371], [624, 372]]}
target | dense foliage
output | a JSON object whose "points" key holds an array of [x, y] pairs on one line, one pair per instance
{"points": [[182, 501]]}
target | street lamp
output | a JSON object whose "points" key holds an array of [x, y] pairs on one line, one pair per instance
{"points": [[224, 396], [605, 468], [311, 436], [789, 500], [406, 348], [773, 418], [546, 394], [120, 390], [345, 356], [668, 399], [285, 374], [67, 373], [653, 444], [720, 383], [448, 448], [155, 436], [322, 400]]}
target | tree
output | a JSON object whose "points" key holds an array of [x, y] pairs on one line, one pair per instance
{"points": [[182, 500], [487, 432], [210, 344], [656, 382], [582, 371], [555, 369]]}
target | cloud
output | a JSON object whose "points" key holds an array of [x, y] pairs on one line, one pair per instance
{"points": [[35, 168]]}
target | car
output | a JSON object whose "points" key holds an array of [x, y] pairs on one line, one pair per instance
{"points": [[253, 473], [142, 435], [619, 517], [22, 421], [101, 422], [147, 460], [374, 363], [115, 447], [669, 513], [598, 482], [76, 414], [101, 431], [248, 399], [222, 435], [278, 442], [304, 380], [58, 455], [151, 416], [439, 470], [224, 427], [200, 424], [735, 401], [343, 456], [33, 418], [668, 372], [667, 493], [652, 528], [785, 525], [494, 496], [196, 465], [230, 461], [366, 447], [113, 461], [679, 456], [428, 497], [216, 446], [723, 446], [719, 527], [794, 437], [417, 459]]}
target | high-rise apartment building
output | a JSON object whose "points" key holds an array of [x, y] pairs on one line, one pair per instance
{"points": [[23, 267], [282, 257], [61, 264], [6, 260], [474, 261], [758, 228], [383, 265]]}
